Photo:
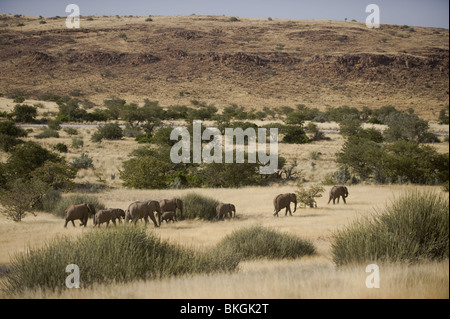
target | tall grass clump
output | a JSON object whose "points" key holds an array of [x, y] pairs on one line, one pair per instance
{"points": [[412, 228], [119, 254], [199, 207], [259, 242]]}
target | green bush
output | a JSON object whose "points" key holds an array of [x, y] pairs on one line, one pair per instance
{"points": [[110, 131], [82, 162], [414, 227], [259, 242], [27, 157], [71, 131], [198, 206], [119, 254], [294, 135], [23, 113]]}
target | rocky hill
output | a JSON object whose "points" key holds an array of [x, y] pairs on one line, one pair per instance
{"points": [[249, 62]]}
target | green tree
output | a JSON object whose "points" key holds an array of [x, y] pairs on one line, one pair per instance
{"points": [[25, 158], [56, 175], [145, 172], [23, 113]]}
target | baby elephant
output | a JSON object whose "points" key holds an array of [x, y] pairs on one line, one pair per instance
{"points": [[107, 215], [169, 216], [223, 210]]}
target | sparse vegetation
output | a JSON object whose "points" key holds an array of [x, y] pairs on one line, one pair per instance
{"points": [[414, 228]]}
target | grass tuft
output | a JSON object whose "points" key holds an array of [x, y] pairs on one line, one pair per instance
{"points": [[118, 254], [260, 242], [199, 207], [413, 228]]}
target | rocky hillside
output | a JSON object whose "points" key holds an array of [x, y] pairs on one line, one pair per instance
{"points": [[250, 62]]}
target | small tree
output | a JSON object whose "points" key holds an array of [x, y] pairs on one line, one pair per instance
{"points": [[24, 113], [307, 196], [21, 197]]}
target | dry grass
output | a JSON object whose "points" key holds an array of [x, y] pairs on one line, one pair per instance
{"points": [[308, 277]]}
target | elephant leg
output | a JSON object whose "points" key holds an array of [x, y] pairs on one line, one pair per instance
{"points": [[338, 199], [73, 222], [152, 217], [343, 198], [329, 200], [276, 213], [334, 199], [65, 224], [159, 217]]}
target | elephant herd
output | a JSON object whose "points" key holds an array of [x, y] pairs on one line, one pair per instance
{"points": [[166, 209]]}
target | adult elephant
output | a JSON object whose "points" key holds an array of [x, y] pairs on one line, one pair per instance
{"points": [[284, 201], [336, 192], [170, 205], [81, 212], [223, 210], [139, 210]]}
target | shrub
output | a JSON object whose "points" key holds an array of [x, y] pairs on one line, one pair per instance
{"points": [[20, 197], [110, 131], [82, 162], [443, 115], [71, 131], [23, 113], [307, 196], [198, 206], [54, 125], [295, 135], [19, 99], [9, 128], [27, 157], [145, 172], [110, 255], [414, 227], [7, 142], [77, 143], [259, 242], [56, 175], [47, 133]]}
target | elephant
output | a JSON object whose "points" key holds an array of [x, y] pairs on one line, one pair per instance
{"points": [[104, 216], [139, 210], [169, 216], [117, 213], [223, 210], [107, 215], [81, 212], [284, 201], [336, 192], [170, 205]]}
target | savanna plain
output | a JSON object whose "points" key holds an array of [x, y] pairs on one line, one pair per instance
{"points": [[253, 65], [313, 276]]}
